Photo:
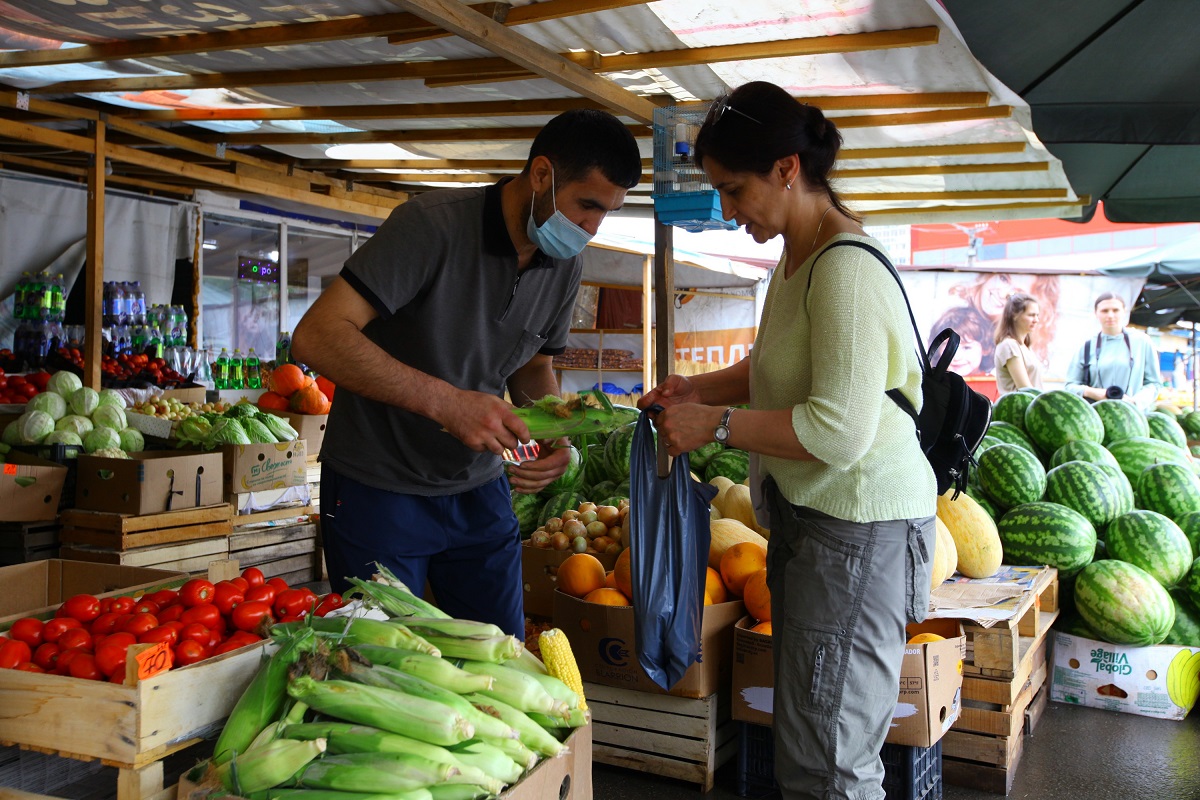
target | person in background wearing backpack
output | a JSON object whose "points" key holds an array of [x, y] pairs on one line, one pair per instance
{"points": [[850, 494], [1016, 365], [1118, 363]]}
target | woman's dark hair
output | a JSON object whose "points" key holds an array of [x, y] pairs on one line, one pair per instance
{"points": [[1014, 306], [1108, 296], [758, 123], [968, 323], [578, 141]]}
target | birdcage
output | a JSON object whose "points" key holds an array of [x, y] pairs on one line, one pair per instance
{"points": [[683, 197]]}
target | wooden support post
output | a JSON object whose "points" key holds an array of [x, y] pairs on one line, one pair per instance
{"points": [[94, 266], [664, 311], [648, 359]]}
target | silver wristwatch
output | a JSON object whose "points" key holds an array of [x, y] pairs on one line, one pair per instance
{"points": [[721, 434]]}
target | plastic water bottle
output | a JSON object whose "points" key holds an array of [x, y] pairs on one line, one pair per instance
{"points": [[253, 370], [154, 344], [19, 297], [221, 375], [237, 379], [59, 303], [283, 349]]}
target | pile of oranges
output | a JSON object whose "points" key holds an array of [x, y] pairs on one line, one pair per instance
{"points": [[742, 574]]}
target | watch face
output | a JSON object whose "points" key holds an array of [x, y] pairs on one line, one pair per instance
{"points": [[721, 433]]}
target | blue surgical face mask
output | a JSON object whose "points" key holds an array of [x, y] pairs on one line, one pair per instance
{"points": [[557, 237]]}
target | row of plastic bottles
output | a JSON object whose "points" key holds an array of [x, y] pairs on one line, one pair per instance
{"points": [[236, 372], [40, 297], [34, 340]]}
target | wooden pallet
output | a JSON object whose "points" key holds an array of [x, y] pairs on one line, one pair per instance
{"points": [[21, 542], [128, 532], [1037, 707], [997, 652], [285, 551], [1005, 719], [242, 521], [678, 737], [194, 556], [1004, 691]]}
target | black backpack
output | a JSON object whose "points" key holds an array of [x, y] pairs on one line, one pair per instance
{"points": [[953, 417]]}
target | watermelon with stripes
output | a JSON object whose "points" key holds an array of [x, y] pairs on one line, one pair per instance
{"points": [[1080, 450], [594, 469], [699, 458], [602, 489], [1191, 584], [617, 449], [1122, 485], [1011, 475], [571, 480], [986, 442], [1151, 541], [1189, 523], [1047, 533], [1186, 630], [1085, 488], [1011, 434], [1011, 408], [560, 503], [1165, 427], [528, 510], [1057, 417], [1190, 422], [1121, 420], [1170, 489], [730, 462], [1123, 603], [1135, 454]]}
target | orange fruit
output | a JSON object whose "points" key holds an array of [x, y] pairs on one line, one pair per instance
{"points": [[757, 596], [763, 627], [610, 580], [621, 574], [740, 562], [714, 587], [923, 638], [607, 597], [580, 574], [707, 598]]}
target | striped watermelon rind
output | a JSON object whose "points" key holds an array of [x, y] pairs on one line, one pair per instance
{"points": [[1047, 533], [1011, 434], [1121, 420], [731, 463], [560, 503], [1139, 452], [1057, 417], [1191, 584], [594, 469], [1080, 450], [1186, 630], [1190, 422], [1123, 486], [1152, 542], [1189, 523], [528, 510], [988, 441], [571, 480], [699, 458], [1123, 603], [1166, 427], [1011, 476], [1085, 488], [617, 450], [1170, 489], [1011, 407]]}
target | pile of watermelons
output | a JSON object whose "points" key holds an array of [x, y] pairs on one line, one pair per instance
{"points": [[1111, 497], [599, 472]]}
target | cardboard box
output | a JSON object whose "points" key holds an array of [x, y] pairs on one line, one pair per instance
{"points": [[539, 576], [255, 467], [311, 428], [38, 588], [1134, 680], [930, 691], [151, 425], [602, 639], [187, 394], [30, 487], [149, 482]]}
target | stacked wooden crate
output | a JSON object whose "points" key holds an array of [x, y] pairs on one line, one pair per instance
{"points": [[1005, 691], [28, 541], [187, 540], [280, 542]]}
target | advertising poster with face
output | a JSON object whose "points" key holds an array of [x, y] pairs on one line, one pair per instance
{"points": [[972, 303]]}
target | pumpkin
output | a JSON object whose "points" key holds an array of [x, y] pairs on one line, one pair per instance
{"points": [[725, 534], [309, 400], [272, 401], [974, 533], [287, 379]]}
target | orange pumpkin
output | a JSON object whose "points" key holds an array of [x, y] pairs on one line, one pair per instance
{"points": [[326, 386], [271, 401], [287, 379], [309, 400]]}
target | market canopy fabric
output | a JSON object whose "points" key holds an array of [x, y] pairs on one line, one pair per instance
{"points": [[244, 95], [1172, 289], [1113, 89]]}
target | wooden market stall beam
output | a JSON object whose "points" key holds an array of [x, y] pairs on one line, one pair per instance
{"points": [[94, 264], [664, 316]]}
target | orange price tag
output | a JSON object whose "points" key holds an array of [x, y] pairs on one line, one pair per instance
{"points": [[10, 469], [154, 660]]}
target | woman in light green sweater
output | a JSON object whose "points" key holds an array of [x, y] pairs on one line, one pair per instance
{"points": [[850, 496]]}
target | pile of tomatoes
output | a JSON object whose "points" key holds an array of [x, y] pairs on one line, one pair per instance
{"points": [[19, 388], [137, 366], [89, 637]]}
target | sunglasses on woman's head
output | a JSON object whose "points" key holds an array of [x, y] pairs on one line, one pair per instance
{"points": [[725, 106]]}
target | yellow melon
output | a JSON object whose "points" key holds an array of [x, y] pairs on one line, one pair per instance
{"points": [[725, 534], [974, 532]]}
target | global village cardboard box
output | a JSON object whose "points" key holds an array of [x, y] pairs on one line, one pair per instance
{"points": [[1161, 681], [256, 467], [602, 640], [929, 697]]}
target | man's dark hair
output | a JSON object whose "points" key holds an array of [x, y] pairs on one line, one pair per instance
{"points": [[578, 141]]}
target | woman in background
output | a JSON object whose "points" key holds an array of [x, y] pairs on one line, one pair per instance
{"points": [[1119, 363], [1016, 365]]}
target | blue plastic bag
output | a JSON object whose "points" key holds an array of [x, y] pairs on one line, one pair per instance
{"points": [[669, 538]]}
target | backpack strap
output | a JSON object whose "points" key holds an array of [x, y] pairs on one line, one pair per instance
{"points": [[1087, 363]]}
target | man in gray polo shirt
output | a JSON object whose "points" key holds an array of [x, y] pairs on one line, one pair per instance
{"points": [[460, 295]]}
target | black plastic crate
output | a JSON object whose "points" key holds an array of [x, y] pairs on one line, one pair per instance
{"points": [[909, 773]]}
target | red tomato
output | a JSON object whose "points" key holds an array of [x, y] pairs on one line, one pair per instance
{"points": [[145, 606], [328, 603], [164, 597], [253, 576], [171, 613], [214, 639], [291, 603], [196, 591], [241, 583], [13, 652], [46, 656], [206, 614], [122, 638], [84, 666], [279, 583], [196, 632], [106, 604], [76, 637], [227, 596], [29, 390], [27, 630], [57, 627], [110, 657], [248, 615], [106, 623], [162, 633], [264, 593], [63, 665], [228, 646], [189, 652], [140, 623], [117, 677], [83, 607], [28, 666], [122, 605]]}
